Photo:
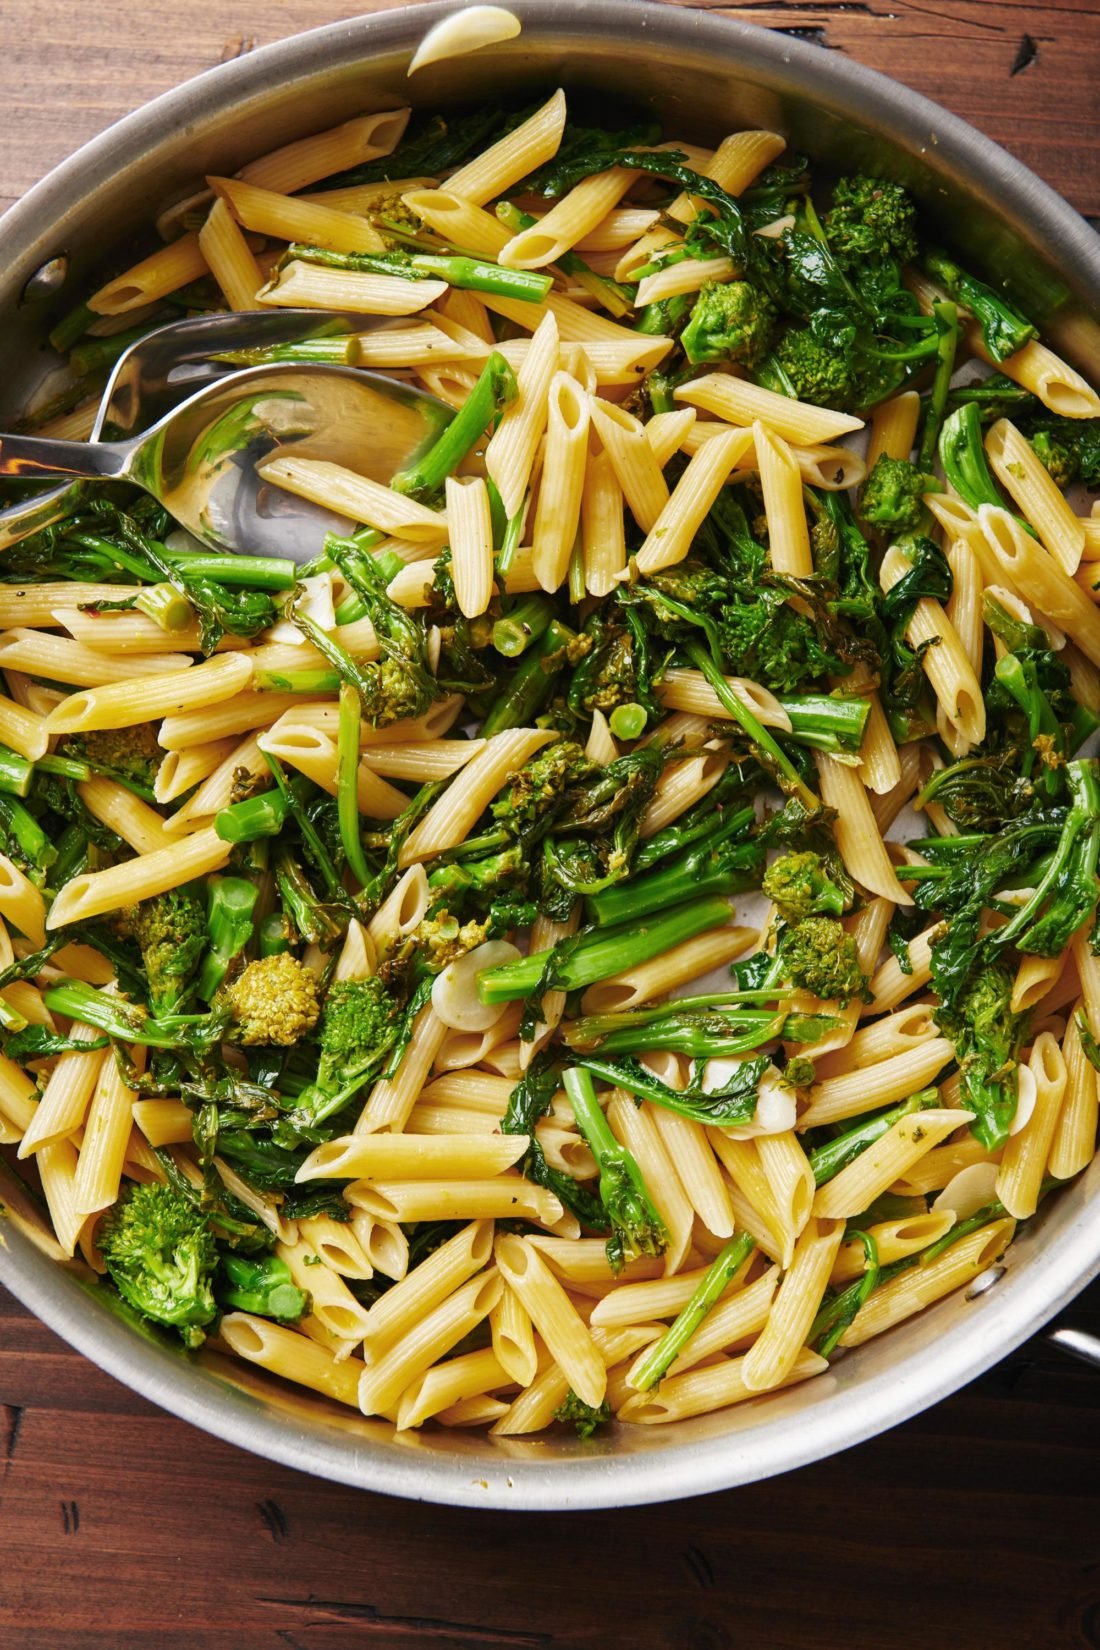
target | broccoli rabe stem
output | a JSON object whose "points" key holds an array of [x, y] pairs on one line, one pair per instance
{"points": [[252, 819], [232, 904], [709, 1290], [472, 274], [1069, 881], [770, 751], [264, 1286], [827, 723], [717, 865], [509, 544], [532, 683], [490, 395], [114, 1016], [628, 721], [837, 1314], [522, 625], [1004, 329], [16, 772], [316, 680], [22, 830], [828, 1160], [255, 572], [619, 300], [946, 317], [347, 783], [165, 605], [700, 1036], [600, 955], [622, 1188]]}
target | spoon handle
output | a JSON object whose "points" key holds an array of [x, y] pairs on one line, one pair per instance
{"points": [[33, 455]]}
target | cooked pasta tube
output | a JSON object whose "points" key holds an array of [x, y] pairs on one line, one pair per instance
{"points": [[697, 1169], [106, 1137], [397, 1156], [535, 1407], [130, 818], [634, 462], [510, 454], [393, 1098], [514, 1338], [565, 1334], [1025, 1155], [856, 1187], [356, 496], [861, 847], [734, 1317], [229, 257], [428, 1339], [469, 1376], [945, 661], [124, 704], [867, 1089], [1032, 568], [739, 402], [688, 690], [94, 892], [912, 1290], [164, 271], [163, 1122], [774, 1354], [670, 537], [285, 219], [21, 903], [891, 984], [307, 160], [62, 659], [1028, 482], [66, 1096], [1074, 1139], [294, 1356], [714, 1387], [531, 144], [557, 516], [893, 427], [303, 285], [450, 819], [677, 967], [633, 1127], [471, 537]]}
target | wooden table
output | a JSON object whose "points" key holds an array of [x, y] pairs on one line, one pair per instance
{"points": [[975, 1526]]}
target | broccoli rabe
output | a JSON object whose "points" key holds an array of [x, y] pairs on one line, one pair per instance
{"points": [[818, 956], [731, 321], [359, 1024], [525, 804], [170, 930], [263, 1285], [801, 887], [585, 1417], [437, 940], [870, 219], [130, 753], [1068, 447], [893, 495], [812, 370], [987, 1037], [272, 1000], [161, 1256]]}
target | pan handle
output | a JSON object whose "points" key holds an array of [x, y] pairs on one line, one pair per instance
{"points": [[1077, 1343]]}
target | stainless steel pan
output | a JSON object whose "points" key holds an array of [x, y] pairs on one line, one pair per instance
{"points": [[703, 76]]}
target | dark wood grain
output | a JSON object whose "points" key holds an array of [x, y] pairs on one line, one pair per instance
{"points": [[974, 1527], [1024, 73]]}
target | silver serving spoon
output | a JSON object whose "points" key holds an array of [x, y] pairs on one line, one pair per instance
{"points": [[157, 373], [200, 459]]}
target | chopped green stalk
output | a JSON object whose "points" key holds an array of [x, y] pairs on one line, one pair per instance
{"points": [[16, 772], [576, 584], [709, 1290], [532, 683], [634, 1220], [628, 721], [471, 274], [252, 819], [828, 1160], [315, 682], [509, 545], [111, 1014], [701, 1036], [660, 320], [166, 605], [271, 936], [962, 455], [840, 1312], [98, 354], [761, 738], [599, 955], [255, 572], [305, 824], [347, 783], [722, 863], [22, 830], [263, 1285], [827, 722], [963, 1228], [231, 904], [618, 300], [10, 1018], [336, 351], [71, 327], [522, 625], [495, 388], [946, 316]]}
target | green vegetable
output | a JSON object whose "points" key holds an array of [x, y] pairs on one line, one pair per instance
{"points": [[161, 1257], [636, 1227]]}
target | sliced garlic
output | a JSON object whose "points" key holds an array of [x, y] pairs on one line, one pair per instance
{"points": [[776, 1105], [968, 1191], [1027, 1092], [454, 994], [466, 31]]}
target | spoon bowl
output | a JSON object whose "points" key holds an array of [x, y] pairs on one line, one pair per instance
{"points": [[201, 459]]}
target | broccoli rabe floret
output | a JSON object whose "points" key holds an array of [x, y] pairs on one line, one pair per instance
{"points": [[359, 1023], [818, 956], [170, 930], [539, 784], [816, 372], [731, 321], [893, 495], [987, 1037], [871, 218], [585, 1417], [1069, 448], [160, 1255], [272, 1000], [801, 887], [131, 752], [436, 941], [768, 641]]}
